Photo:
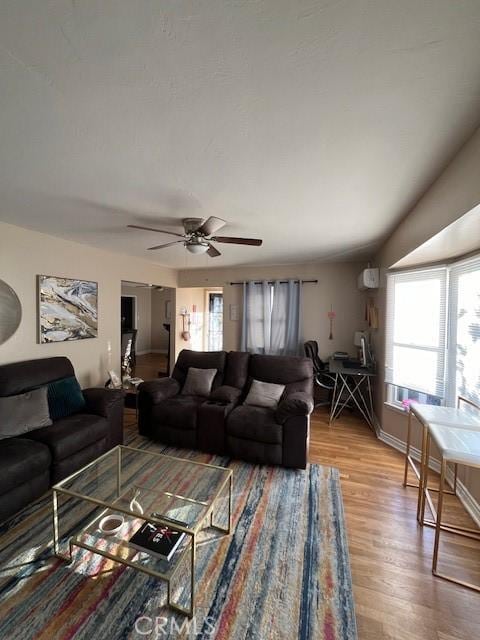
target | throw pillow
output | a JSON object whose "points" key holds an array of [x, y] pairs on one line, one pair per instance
{"points": [[65, 397], [199, 382], [264, 394], [23, 413]]}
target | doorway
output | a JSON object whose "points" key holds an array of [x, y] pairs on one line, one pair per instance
{"points": [[128, 313], [146, 315], [215, 321]]}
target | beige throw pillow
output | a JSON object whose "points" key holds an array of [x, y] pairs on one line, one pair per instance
{"points": [[264, 394], [23, 413]]}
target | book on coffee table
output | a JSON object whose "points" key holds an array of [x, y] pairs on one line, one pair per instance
{"points": [[157, 539]]}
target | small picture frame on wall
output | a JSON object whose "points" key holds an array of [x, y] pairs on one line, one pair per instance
{"points": [[67, 309], [168, 310]]}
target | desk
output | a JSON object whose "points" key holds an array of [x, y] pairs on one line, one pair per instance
{"points": [[352, 385]]}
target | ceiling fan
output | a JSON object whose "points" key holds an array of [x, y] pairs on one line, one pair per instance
{"points": [[141, 285], [198, 236]]}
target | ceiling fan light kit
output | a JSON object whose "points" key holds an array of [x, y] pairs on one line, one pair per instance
{"points": [[197, 247], [198, 236]]}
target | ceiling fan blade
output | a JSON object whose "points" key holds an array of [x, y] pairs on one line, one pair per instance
{"points": [[170, 233], [211, 225], [163, 246], [213, 252], [227, 239]]}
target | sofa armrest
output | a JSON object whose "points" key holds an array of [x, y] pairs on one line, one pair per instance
{"points": [[226, 394], [159, 390], [298, 403], [109, 404], [102, 402], [150, 394]]}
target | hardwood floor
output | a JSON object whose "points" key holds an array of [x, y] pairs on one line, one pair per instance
{"points": [[396, 596], [149, 365]]}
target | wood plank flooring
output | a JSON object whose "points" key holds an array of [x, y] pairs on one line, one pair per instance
{"points": [[149, 365], [396, 596]]}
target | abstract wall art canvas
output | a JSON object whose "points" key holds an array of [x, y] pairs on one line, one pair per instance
{"points": [[67, 309]]}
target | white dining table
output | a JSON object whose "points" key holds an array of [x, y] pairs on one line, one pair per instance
{"points": [[458, 445], [450, 417]]}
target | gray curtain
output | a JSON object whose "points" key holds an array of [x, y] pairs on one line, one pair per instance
{"points": [[286, 318], [271, 319], [256, 317]]}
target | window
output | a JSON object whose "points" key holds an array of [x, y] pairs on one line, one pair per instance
{"points": [[422, 365], [464, 353], [215, 321], [416, 322]]}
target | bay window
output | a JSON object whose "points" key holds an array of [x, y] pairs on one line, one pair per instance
{"points": [[433, 334]]}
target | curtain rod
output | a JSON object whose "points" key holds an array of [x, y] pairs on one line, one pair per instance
{"points": [[280, 281]]}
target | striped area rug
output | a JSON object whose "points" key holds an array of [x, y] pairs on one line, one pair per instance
{"points": [[283, 574]]}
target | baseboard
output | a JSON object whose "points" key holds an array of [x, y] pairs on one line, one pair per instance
{"points": [[376, 426], [147, 351], [471, 505]]}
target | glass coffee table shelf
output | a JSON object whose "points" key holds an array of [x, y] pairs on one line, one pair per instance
{"points": [[143, 486]]}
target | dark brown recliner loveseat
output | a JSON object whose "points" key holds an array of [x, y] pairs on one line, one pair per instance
{"points": [[221, 423]]}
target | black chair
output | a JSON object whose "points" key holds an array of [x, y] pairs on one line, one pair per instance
{"points": [[323, 379]]}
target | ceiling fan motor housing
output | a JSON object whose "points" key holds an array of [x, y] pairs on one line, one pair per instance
{"points": [[191, 224]]}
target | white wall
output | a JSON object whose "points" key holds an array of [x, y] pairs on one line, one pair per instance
{"points": [[190, 298], [455, 192], [25, 253], [337, 287]]}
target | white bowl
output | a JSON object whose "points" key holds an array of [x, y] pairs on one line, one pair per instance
{"points": [[106, 524]]}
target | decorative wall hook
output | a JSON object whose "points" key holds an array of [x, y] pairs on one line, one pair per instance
{"points": [[185, 324], [331, 316]]}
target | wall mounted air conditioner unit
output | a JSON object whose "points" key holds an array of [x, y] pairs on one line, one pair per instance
{"points": [[369, 279]]}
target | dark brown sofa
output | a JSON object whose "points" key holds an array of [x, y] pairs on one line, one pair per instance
{"points": [[31, 463], [221, 423]]}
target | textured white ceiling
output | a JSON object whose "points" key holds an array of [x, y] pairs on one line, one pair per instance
{"points": [[314, 125]]}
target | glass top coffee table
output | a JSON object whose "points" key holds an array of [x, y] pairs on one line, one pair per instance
{"points": [[143, 486]]}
